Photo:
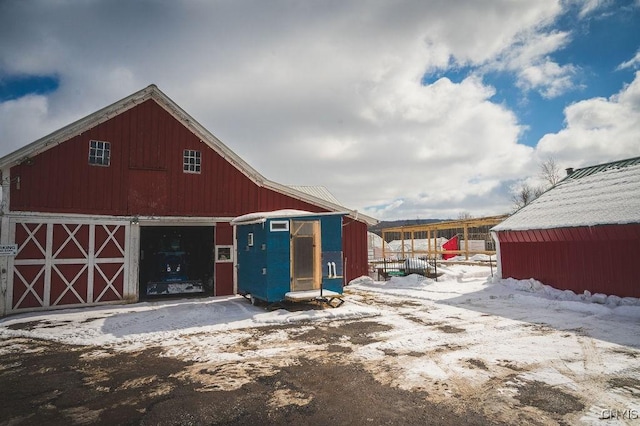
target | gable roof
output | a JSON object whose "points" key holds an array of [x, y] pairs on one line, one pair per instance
{"points": [[154, 93], [603, 194]]}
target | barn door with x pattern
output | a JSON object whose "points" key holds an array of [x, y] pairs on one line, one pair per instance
{"points": [[68, 264]]}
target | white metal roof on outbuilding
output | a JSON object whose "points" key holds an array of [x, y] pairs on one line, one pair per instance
{"points": [[606, 194], [317, 191]]}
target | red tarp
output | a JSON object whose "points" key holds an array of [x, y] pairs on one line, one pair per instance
{"points": [[452, 244]]}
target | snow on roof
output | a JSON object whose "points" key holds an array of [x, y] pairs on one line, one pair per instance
{"points": [[592, 196], [259, 217]]}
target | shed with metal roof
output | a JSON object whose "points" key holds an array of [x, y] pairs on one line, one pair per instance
{"points": [[583, 234]]}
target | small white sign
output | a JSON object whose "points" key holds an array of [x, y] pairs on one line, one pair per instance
{"points": [[8, 249]]}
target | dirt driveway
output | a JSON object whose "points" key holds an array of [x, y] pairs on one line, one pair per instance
{"points": [[343, 371], [51, 383]]}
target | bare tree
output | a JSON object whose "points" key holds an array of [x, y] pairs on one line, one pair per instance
{"points": [[525, 193], [522, 196], [464, 216], [538, 191], [550, 171]]}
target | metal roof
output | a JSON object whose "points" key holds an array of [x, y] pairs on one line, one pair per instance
{"points": [[591, 170], [317, 191], [604, 194]]}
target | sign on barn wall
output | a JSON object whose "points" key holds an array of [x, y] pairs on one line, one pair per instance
{"points": [[8, 249]]}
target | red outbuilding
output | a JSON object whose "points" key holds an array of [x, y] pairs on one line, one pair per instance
{"points": [[135, 201], [582, 234]]}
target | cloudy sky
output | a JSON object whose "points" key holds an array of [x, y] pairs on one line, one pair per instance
{"points": [[402, 109]]}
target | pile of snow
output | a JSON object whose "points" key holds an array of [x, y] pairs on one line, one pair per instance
{"points": [[437, 332], [416, 265], [466, 287], [475, 258], [136, 325], [457, 280], [534, 286]]}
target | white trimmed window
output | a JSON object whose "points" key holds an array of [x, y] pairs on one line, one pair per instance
{"points": [[279, 225], [99, 153], [224, 254], [191, 161]]}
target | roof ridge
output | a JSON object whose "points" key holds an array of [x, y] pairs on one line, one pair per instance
{"points": [[597, 168], [605, 194]]}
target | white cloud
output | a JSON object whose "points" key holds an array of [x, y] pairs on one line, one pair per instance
{"points": [[476, 32], [529, 59], [598, 130], [325, 93], [549, 78], [25, 120], [589, 6], [631, 63]]}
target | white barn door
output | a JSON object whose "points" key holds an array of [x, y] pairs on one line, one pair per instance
{"points": [[67, 263]]}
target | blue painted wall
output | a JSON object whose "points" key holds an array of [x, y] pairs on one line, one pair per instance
{"points": [[271, 252]]}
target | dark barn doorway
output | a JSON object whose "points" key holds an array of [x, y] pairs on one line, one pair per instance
{"points": [[176, 260]]}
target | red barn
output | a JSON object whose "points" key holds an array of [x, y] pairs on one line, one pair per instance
{"points": [[136, 193], [582, 234]]}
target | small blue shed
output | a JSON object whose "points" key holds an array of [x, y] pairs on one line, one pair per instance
{"points": [[289, 255]]}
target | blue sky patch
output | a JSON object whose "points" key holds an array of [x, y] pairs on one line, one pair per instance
{"points": [[456, 75], [597, 46], [14, 87]]}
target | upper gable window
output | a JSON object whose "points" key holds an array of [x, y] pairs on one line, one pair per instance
{"points": [[191, 161], [99, 153]]}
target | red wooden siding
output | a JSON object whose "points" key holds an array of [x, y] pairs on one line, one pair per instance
{"points": [[145, 175], [354, 247], [601, 259]]}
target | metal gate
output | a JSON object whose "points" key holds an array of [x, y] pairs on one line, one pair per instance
{"points": [[306, 273]]}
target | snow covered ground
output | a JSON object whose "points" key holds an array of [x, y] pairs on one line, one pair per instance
{"points": [[467, 335]]}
